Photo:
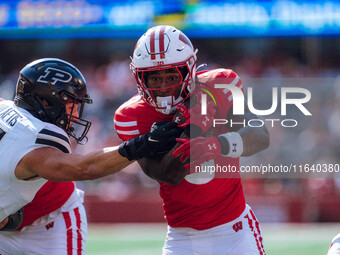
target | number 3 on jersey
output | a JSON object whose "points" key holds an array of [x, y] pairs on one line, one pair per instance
{"points": [[203, 174]]}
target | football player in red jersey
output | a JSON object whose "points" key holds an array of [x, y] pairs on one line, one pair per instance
{"points": [[35, 129], [206, 214]]}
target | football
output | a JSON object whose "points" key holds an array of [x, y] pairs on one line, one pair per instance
{"points": [[192, 131]]}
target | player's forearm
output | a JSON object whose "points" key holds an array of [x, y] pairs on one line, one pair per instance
{"points": [[103, 162], [254, 140], [76, 167], [244, 142], [55, 165]]}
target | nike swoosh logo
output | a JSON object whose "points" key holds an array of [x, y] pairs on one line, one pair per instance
{"points": [[152, 140]]}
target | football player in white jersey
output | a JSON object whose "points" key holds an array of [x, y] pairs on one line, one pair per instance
{"points": [[37, 196]]}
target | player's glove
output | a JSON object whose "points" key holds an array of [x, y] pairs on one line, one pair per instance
{"points": [[14, 220], [199, 149], [160, 139], [197, 123], [202, 149]]}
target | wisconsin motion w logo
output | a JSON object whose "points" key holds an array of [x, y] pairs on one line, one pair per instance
{"points": [[238, 226], [238, 100]]}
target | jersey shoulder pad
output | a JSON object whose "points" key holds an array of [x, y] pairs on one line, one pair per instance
{"points": [[228, 76], [220, 76], [210, 78], [53, 136]]}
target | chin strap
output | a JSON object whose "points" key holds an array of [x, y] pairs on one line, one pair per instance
{"points": [[165, 102]]}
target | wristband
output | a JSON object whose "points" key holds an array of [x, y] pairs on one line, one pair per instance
{"points": [[232, 144]]}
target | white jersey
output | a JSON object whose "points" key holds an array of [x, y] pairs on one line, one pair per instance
{"points": [[20, 133]]}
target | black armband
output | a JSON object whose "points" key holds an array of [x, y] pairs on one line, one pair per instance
{"points": [[14, 220]]}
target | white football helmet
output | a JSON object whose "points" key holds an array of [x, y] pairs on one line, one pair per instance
{"points": [[164, 47]]}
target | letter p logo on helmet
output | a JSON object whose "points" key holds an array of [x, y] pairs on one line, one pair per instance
{"points": [[54, 75]]}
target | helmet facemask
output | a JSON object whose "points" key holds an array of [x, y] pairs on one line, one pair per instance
{"points": [[176, 93], [74, 126]]}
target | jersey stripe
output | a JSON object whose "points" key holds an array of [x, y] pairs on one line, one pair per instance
{"points": [[52, 133], [233, 83], [257, 235], [79, 236], [125, 123], [67, 219], [257, 224], [133, 132], [52, 144], [54, 139]]}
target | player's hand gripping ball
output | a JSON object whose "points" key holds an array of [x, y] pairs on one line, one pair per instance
{"points": [[179, 117], [189, 116], [198, 150]]}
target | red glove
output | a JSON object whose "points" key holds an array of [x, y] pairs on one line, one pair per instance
{"points": [[199, 149], [194, 117]]}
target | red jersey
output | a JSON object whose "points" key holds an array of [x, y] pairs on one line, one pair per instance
{"points": [[49, 198], [189, 204]]}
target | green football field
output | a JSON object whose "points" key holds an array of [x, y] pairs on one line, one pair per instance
{"points": [[147, 239]]}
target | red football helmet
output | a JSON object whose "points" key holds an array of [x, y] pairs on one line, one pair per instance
{"points": [[162, 48]]}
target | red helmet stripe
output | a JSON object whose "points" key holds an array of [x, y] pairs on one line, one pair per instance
{"points": [[161, 41], [152, 45]]}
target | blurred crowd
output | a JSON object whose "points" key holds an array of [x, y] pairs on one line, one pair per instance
{"points": [[262, 63]]}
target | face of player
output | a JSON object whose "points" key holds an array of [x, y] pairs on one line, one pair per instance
{"points": [[72, 109], [163, 80]]}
